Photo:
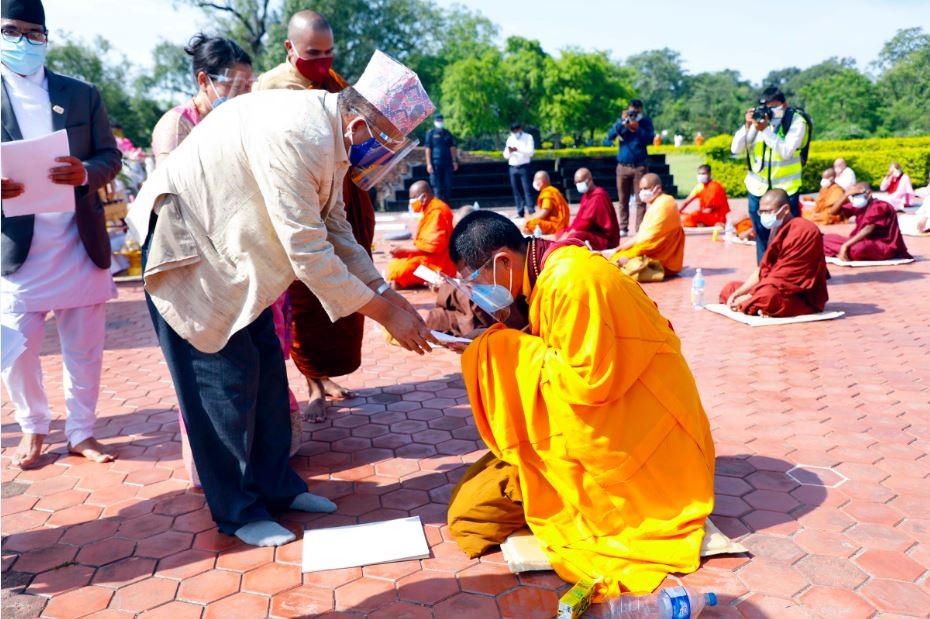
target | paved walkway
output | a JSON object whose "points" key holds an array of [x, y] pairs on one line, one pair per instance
{"points": [[844, 406]]}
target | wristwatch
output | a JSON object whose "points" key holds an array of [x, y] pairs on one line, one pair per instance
{"points": [[383, 288]]}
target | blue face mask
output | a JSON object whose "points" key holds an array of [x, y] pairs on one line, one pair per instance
{"points": [[23, 57], [492, 298], [366, 152]]}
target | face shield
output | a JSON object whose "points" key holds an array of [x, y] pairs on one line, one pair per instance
{"points": [[231, 83]]}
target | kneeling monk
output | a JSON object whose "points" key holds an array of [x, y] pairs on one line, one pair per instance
{"points": [[660, 235], [791, 280], [431, 241], [552, 212], [597, 435]]}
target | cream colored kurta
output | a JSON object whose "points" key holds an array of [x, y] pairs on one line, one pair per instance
{"points": [[249, 202]]}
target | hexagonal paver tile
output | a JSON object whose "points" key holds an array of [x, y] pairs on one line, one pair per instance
{"points": [[771, 578], [106, 551], [186, 563], [164, 544], [527, 603], [174, 610], [825, 543], [302, 601], [245, 558], [124, 572], [831, 571], [365, 594], [77, 603], [238, 606], [880, 537], [209, 586], [59, 580], [43, 559], [892, 596], [271, 579], [773, 547], [486, 578], [838, 603], [145, 594], [889, 564]]}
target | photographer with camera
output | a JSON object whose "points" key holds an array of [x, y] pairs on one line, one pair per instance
{"points": [[636, 133], [775, 139]]}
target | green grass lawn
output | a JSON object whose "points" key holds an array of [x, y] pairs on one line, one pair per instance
{"points": [[683, 167]]}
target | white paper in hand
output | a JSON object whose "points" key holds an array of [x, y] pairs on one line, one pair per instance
{"points": [[448, 339], [364, 544], [428, 275], [27, 162]]}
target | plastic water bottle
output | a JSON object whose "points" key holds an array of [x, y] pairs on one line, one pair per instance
{"points": [[537, 233], [674, 603], [697, 290], [729, 234], [476, 206]]}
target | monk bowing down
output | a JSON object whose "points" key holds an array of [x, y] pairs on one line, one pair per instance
{"points": [[597, 435], [431, 243], [791, 280], [552, 212]]}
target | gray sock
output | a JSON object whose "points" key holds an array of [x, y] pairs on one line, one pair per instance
{"points": [[307, 502], [264, 533]]}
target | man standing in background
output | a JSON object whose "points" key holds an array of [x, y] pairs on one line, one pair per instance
{"points": [[55, 262], [519, 152], [442, 158], [636, 133]]}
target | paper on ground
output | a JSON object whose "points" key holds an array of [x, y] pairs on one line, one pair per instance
{"points": [[389, 227], [448, 339], [364, 544], [762, 321], [28, 162], [868, 263], [702, 230], [523, 552], [13, 345]]}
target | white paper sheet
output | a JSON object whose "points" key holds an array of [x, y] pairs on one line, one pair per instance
{"points": [[364, 544], [908, 225], [428, 275], [28, 162], [448, 339], [762, 321], [868, 263], [13, 345]]}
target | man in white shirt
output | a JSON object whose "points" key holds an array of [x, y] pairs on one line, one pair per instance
{"points": [[518, 152], [845, 176], [59, 261]]}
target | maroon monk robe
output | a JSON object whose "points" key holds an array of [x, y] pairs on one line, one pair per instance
{"points": [[884, 243], [596, 221], [792, 274]]}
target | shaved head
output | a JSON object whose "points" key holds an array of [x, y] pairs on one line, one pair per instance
{"points": [[829, 173], [840, 163], [648, 181], [421, 188], [309, 36], [543, 177], [773, 199], [861, 187], [584, 174]]}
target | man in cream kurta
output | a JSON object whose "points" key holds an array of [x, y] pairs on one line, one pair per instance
{"points": [[249, 202]]}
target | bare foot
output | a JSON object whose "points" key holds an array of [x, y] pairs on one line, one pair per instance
{"points": [[93, 450], [29, 451], [335, 391], [315, 411]]}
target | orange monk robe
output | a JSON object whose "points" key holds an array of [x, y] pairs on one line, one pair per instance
{"points": [[826, 198], [713, 206], [432, 247], [550, 199], [660, 236], [597, 410]]}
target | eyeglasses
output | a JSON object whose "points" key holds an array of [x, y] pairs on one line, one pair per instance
{"points": [[14, 35]]}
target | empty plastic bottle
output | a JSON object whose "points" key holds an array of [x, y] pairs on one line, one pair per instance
{"points": [[476, 206], [674, 603], [537, 233], [729, 234], [697, 290]]}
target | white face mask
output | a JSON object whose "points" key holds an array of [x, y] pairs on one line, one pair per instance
{"points": [[438, 124], [703, 179], [537, 185], [859, 201], [582, 187], [646, 195], [825, 182]]}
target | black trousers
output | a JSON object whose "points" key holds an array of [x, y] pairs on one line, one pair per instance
{"points": [[441, 180], [235, 405], [521, 185]]}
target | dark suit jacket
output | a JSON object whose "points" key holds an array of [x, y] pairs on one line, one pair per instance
{"points": [[91, 140]]}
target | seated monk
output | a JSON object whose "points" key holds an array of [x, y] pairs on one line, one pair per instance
{"points": [[660, 235], [596, 221], [552, 212], [791, 280], [598, 439], [712, 202], [876, 235], [831, 194], [431, 240]]}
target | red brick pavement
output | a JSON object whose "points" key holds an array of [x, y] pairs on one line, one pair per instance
{"points": [[822, 472]]}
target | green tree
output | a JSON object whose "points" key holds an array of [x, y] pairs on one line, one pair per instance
{"points": [[781, 78], [524, 67], [831, 66], [125, 100], [659, 79], [843, 105], [584, 91], [475, 96], [902, 45], [715, 103], [245, 21], [905, 82]]}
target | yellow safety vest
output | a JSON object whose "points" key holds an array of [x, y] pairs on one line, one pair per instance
{"points": [[769, 171]]}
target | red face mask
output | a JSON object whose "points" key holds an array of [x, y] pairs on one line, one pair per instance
{"points": [[315, 69]]}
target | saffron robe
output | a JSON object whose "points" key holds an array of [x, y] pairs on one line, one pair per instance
{"points": [[596, 221], [550, 199], [432, 247], [884, 243], [713, 206], [322, 348], [597, 411], [660, 236], [792, 274], [826, 198]]}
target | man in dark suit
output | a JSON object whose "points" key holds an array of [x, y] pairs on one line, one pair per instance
{"points": [[54, 261]]}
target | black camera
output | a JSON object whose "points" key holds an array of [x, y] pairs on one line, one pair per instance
{"points": [[762, 113], [631, 117]]}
